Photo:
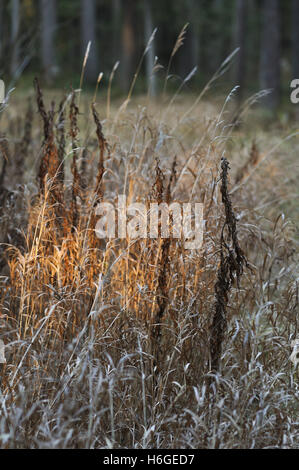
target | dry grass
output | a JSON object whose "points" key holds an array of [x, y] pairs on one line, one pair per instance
{"points": [[144, 344]]}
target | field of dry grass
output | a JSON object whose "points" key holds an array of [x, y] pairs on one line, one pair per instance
{"points": [[141, 343]]}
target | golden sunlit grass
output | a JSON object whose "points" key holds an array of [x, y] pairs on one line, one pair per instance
{"points": [[117, 343]]}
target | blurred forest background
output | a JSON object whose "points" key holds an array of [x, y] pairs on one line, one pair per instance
{"points": [[205, 339], [50, 37]]}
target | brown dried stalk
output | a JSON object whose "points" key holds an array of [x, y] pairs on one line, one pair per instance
{"points": [[61, 140], [49, 164], [165, 246], [232, 261], [172, 180], [103, 146], [83, 171], [5, 153], [42, 109], [50, 161], [252, 161], [159, 195], [44, 164]]}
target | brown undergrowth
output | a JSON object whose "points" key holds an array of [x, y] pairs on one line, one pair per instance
{"points": [[110, 342]]}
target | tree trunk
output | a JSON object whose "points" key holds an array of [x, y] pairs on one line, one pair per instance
{"points": [[116, 7], [15, 26], [195, 12], [270, 53], [48, 27], [5, 38], [128, 45], [88, 34], [295, 39], [150, 56], [188, 55], [240, 41], [1, 31]]}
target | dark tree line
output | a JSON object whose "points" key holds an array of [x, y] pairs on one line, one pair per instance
{"points": [[51, 36]]}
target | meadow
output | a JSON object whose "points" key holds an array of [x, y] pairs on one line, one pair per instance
{"points": [[141, 343]]}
